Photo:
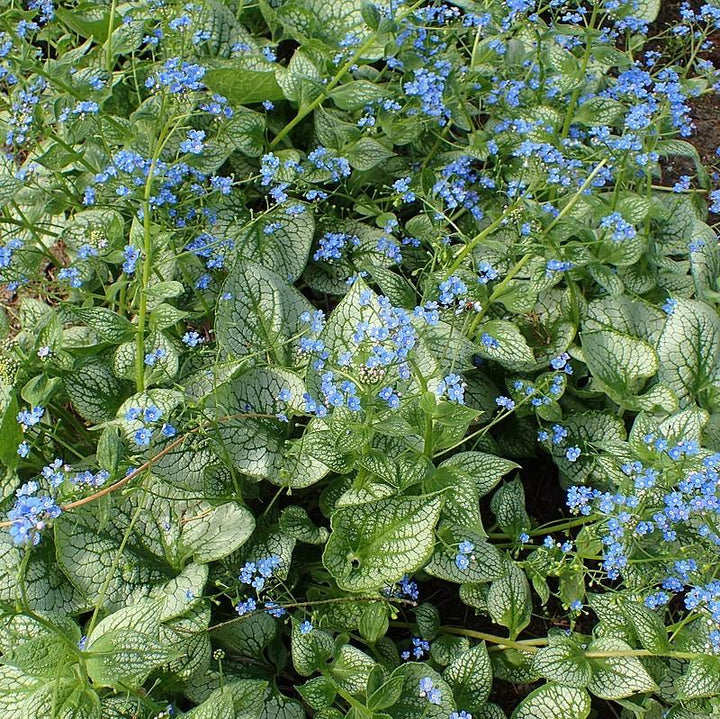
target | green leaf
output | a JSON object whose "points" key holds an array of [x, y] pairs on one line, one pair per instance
{"points": [[47, 590], [263, 316], [23, 696], [249, 637], [35, 649], [111, 326], [295, 522], [285, 251], [89, 20], [94, 390], [9, 184], [509, 601], [243, 86], [329, 22], [485, 561], [351, 669], [386, 695], [563, 662], [485, 470], [123, 657], [470, 677], [310, 651], [374, 622], [356, 94], [216, 533], [318, 692], [689, 350], [619, 361], [702, 679], [278, 706], [616, 677], [647, 10], [372, 545], [508, 506], [648, 626], [513, 351], [301, 81], [599, 111], [86, 552], [410, 704], [10, 433], [553, 701], [259, 446], [367, 153], [239, 699], [244, 131]]}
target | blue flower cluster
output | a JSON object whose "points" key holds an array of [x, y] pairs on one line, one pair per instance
{"points": [[256, 574], [465, 554], [22, 112], [148, 417], [331, 245], [30, 417], [213, 250], [453, 386], [285, 175], [451, 289], [681, 514], [30, 514], [406, 588], [456, 186], [430, 691], [177, 76], [421, 647], [620, 229], [428, 86]]}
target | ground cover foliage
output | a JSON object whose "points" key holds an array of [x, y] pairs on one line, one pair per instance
{"points": [[300, 299]]}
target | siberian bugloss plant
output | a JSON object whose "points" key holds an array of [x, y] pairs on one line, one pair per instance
{"points": [[302, 301]]}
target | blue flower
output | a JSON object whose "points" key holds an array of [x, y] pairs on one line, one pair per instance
{"points": [[462, 561], [193, 144], [152, 413], [151, 358], [489, 342], [131, 254], [29, 516], [306, 627], [246, 607], [142, 437], [31, 417], [274, 609], [191, 339], [71, 275], [572, 453], [670, 305], [553, 266]]}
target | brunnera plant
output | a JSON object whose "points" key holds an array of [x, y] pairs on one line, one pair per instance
{"points": [[359, 360]]}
